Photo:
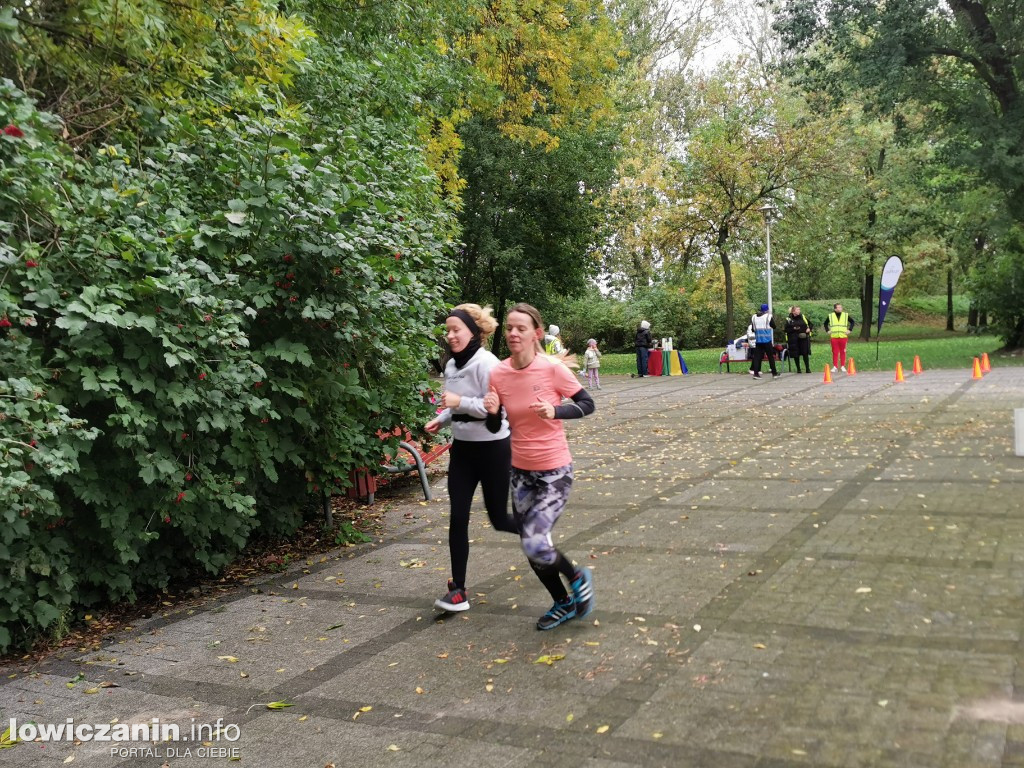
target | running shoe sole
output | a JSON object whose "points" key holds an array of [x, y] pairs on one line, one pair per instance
{"points": [[452, 607], [583, 593]]}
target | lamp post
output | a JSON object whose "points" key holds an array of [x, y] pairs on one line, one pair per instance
{"points": [[770, 212]]}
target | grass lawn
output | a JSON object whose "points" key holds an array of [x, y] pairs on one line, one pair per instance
{"points": [[946, 351]]}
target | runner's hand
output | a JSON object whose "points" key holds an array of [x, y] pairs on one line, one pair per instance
{"points": [[491, 402], [543, 410], [450, 399]]}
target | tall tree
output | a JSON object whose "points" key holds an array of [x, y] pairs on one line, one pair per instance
{"points": [[529, 219], [960, 59], [747, 145]]}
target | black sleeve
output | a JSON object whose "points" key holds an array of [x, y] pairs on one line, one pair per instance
{"points": [[493, 420], [582, 405]]}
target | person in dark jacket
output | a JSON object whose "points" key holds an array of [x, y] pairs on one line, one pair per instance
{"points": [[644, 342], [798, 337]]}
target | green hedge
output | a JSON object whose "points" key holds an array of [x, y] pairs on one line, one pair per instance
{"points": [[195, 338]]}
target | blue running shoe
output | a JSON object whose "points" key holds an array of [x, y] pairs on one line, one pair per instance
{"points": [[583, 592], [560, 613]]}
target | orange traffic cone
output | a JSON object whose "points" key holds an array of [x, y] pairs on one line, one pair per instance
{"points": [[899, 372], [985, 367], [917, 365], [977, 369], [851, 367], [828, 374]]}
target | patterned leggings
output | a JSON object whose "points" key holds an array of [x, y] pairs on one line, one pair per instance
{"points": [[593, 377], [538, 498]]}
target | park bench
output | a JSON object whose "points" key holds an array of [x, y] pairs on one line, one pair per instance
{"points": [[733, 354], [412, 456]]}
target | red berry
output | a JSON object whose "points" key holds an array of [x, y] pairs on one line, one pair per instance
{"points": [[184, 435], [30, 263], [167, 519], [4, 322], [180, 497], [207, 318], [258, 384], [14, 131], [202, 376], [188, 475]]}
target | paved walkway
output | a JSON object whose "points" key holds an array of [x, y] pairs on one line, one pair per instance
{"points": [[788, 573]]}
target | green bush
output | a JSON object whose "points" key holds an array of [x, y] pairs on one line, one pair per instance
{"points": [[196, 338]]}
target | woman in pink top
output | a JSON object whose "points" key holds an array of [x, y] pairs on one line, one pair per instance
{"points": [[530, 386]]}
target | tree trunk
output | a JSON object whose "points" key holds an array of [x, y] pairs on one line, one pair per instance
{"points": [[867, 300], [949, 298], [867, 291], [499, 315], [972, 318], [1015, 339], [723, 236], [727, 269]]}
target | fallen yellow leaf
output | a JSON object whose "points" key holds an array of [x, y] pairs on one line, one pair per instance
{"points": [[549, 659]]}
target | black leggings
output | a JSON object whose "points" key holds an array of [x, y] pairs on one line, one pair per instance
{"points": [[487, 463]]}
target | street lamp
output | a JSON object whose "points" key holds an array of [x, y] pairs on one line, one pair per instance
{"points": [[770, 212]]}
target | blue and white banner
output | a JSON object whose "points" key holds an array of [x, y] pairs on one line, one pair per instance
{"points": [[890, 276]]}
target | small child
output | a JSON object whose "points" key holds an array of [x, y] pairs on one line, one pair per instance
{"points": [[592, 362]]}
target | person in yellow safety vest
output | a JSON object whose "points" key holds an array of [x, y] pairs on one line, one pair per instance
{"points": [[553, 340], [838, 326]]}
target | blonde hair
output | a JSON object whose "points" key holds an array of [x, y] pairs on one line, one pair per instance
{"points": [[482, 317]]}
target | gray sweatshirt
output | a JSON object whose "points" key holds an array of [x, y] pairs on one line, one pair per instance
{"points": [[472, 383]]}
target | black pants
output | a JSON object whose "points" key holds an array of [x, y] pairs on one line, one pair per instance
{"points": [[642, 353], [800, 348], [760, 351], [487, 463]]}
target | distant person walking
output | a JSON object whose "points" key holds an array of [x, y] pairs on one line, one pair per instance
{"points": [[592, 364], [763, 325], [479, 456], [553, 341], [530, 386], [643, 343], [798, 338], [839, 326]]}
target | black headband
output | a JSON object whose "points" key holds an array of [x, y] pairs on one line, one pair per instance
{"points": [[466, 318]]}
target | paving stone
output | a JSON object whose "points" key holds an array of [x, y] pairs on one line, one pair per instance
{"points": [[761, 603]]}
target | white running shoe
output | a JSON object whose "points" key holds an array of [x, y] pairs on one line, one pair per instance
{"points": [[843, 369], [834, 369]]}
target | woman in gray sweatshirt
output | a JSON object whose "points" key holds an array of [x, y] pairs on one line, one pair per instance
{"points": [[478, 456]]}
